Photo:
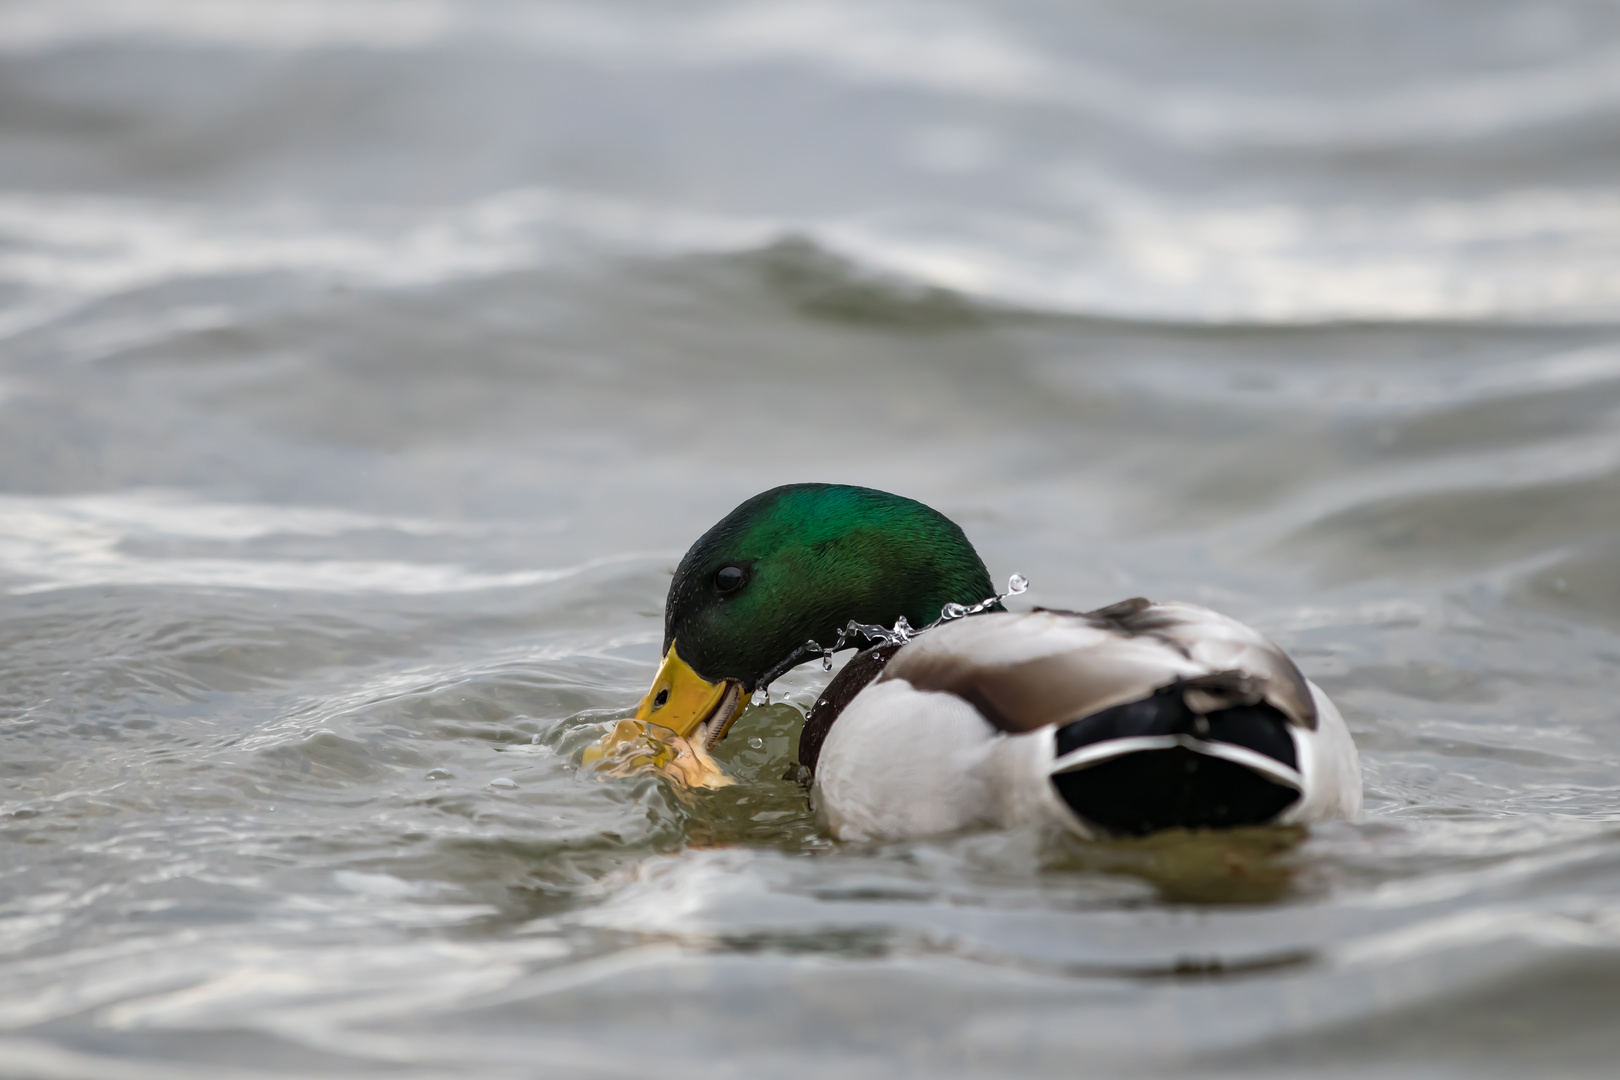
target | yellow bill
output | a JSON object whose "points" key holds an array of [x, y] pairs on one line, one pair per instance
{"points": [[684, 702], [682, 716]]}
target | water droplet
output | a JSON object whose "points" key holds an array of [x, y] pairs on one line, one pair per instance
{"points": [[953, 611], [756, 742], [1017, 584], [438, 774], [762, 696], [826, 662], [503, 782]]}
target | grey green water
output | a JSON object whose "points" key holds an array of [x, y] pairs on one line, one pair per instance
{"points": [[365, 367]]}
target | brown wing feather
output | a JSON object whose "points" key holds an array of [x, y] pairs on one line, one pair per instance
{"points": [[1026, 671], [1255, 668]]}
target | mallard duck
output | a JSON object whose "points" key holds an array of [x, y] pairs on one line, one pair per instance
{"points": [[1125, 720]]}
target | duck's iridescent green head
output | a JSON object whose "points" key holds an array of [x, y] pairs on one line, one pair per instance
{"points": [[793, 564]]}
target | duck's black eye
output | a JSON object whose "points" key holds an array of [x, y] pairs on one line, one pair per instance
{"points": [[729, 578]]}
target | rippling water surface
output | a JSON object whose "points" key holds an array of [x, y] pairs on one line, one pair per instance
{"points": [[366, 366]]}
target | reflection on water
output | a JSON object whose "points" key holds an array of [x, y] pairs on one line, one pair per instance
{"points": [[1245, 866], [366, 367]]}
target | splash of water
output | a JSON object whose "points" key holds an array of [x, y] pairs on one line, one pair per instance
{"points": [[898, 634], [1016, 584]]}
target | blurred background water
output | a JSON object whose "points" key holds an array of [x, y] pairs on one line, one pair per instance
{"points": [[366, 365]]}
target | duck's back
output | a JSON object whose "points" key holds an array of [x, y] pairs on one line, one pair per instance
{"points": [[1125, 720]]}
